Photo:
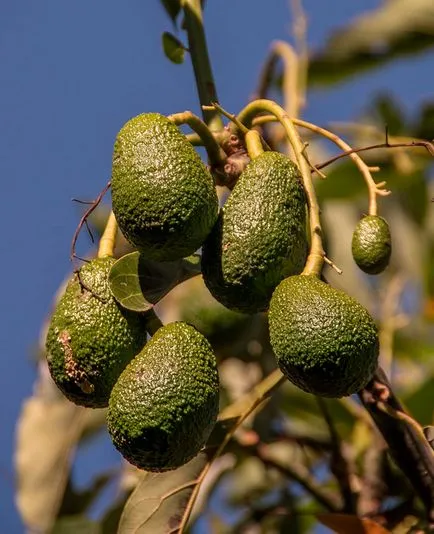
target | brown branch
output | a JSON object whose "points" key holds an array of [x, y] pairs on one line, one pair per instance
{"points": [[407, 445], [338, 464], [426, 144], [83, 221]]}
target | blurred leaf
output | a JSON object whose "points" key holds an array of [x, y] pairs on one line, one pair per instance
{"points": [[137, 283], [425, 126], [76, 524], [173, 48], [172, 7], [78, 502], [395, 29], [110, 521], [419, 402], [158, 502], [390, 113], [350, 524], [46, 436], [343, 181]]}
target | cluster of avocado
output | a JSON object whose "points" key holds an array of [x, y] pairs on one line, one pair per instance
{"points": [[163, 395]]}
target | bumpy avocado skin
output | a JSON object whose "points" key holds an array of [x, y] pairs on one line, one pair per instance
{"points": [[260, 235], [372, 244], [165, 403], [91, 338], [163, 196], [326, 343]]}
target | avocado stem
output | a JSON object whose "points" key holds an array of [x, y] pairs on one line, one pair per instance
{"points": [[215, 153], [253, 144], [374, 188], [200, 60], [108, 239], [315, 260]]}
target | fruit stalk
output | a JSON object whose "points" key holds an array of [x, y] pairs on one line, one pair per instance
{"points": [[215, 153], [253, 144], [315, 259], [108, 239], [200, 60]]}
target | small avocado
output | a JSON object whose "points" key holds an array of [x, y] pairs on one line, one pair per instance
{"points": [[260, 235], [91, 338], [163, 197], [326, 343], [164, 405], [371, 244]]}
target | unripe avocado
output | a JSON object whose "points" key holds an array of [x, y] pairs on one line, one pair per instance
{"points": [[91, 338], [326, 343], [165, 403], [371, 244], [163, 197], [260, 235]]}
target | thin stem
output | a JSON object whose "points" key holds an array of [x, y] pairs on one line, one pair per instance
{"points": [[247, 404], [253, 144], [302, 477], [108, 239], [201, 62], [315, 259], [339, 466], [215, 153], [374, 189]]}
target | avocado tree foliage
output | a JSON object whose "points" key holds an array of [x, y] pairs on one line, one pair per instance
{"points": [[310, 427]]}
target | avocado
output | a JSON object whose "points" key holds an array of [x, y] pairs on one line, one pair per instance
{"points": [[326, 343], [260, 235], [91, 338], [164, 405], [371, 244], [163, 197]]}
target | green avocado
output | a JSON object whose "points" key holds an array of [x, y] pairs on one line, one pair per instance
{"points": [[164, 405], [91, 338], [260, 235], [163, 197], [326, 343], [371, 244]]}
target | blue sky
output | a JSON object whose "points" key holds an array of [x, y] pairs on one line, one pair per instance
{"points": [[71, 74]]}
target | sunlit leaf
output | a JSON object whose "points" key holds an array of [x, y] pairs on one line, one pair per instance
{"points": [[172, 7], [173, 48], [47, 433], [137, 283], [350, 524], [159, 500], [76, 524], [392, 30]]}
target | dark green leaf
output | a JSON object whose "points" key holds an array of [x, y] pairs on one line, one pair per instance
{"points": [[390, 113], [76, 524], [78, 502], [374, 39], [172, 7], [159, 500], [343, 181], [137, 283], [110, 521], [425, 126], [173, 48]]}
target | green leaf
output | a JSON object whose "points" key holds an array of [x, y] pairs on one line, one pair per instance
{"points": [[76, 524], [173, 8], [78, 502], [373, 39], [419, 402], [137, 283], [159, 500], [173, 48], [47, 433]]}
